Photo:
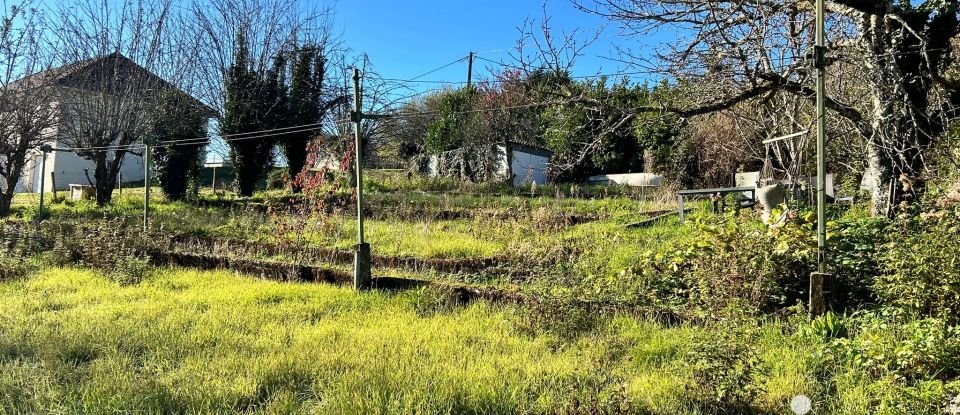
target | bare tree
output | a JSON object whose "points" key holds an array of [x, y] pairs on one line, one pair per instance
{"points": [[26, 111], [106, 83], [270, 28], [734, 51], [541, 48], [379, 97]]}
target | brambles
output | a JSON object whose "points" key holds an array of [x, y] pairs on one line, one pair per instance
{"points": [[14, 268], [922, 269], [726, 370]]}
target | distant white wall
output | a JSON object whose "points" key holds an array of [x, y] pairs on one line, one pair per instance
{"points": [[747, 179], [69, 169], [629, 179]]}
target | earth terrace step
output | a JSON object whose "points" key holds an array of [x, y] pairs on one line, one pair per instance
{"points": [[308, 254]]}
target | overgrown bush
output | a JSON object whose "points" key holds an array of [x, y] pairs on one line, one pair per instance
{"points": [[887, 343], [735, 266], [563, 317], [727, 370], [130, 270], [17, 245], [923, 267], [15, 267], [855, 243], [746, 267], [910, 366], [431, 300], [278, 179], [118, 250]]}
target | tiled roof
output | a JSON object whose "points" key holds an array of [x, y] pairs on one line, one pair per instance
{"points": [[89, 74]]}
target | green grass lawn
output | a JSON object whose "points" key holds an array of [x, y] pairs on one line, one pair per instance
{"points": [[510, 227], [72, 341]]}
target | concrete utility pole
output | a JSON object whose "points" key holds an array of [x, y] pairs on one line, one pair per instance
{"points": [[44, 149], [817, 300], [146, 187], [470, 70], [361, 262]]}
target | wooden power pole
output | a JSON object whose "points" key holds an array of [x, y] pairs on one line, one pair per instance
{"points": [[470, 70]]}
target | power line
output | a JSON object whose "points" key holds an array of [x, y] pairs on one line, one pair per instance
{"points": [[440, 68], [205, 139]]}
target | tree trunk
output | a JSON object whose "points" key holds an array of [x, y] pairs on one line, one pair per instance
{"points": [[105, 175], [905, 121], [6, 197], [6, 200], [895, 181], [296, 152]]}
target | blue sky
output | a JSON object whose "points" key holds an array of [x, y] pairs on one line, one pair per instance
{"points": [[407, 38]]}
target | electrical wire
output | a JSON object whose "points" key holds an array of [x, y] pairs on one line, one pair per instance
{"points": [[235, 137], [432, 71]]}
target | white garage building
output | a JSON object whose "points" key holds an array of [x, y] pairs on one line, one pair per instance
{"points": [[520, 163], [524, 164]]}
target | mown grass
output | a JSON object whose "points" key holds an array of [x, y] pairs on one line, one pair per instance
{"points": [[182, 341]]}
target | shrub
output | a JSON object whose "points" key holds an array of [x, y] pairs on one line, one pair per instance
{"points": [[118, 250], [888, 345], [565, 318], [922, 270], [130, 270], [907, 366], [827, 327], [855, 249], [17, 243], [431, 300], [734, 267], [748, 268], [14, 268], [278, 179], [922, 398], [726, 370]]}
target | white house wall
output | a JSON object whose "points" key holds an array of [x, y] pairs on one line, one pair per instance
{"points": [[69, 169]]}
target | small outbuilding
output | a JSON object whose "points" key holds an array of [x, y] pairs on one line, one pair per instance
{"points": [[521, 164], [524, 164]]}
